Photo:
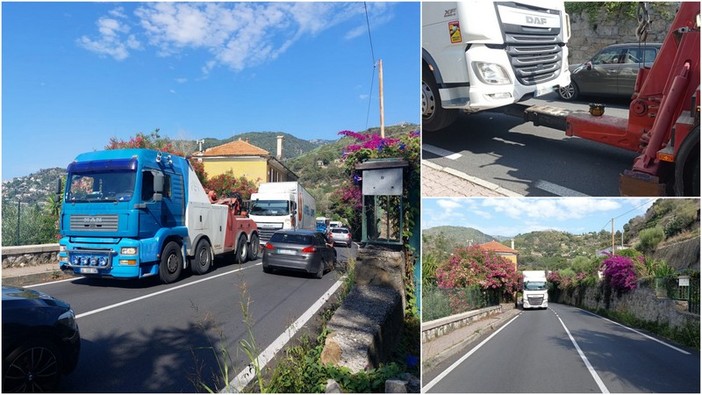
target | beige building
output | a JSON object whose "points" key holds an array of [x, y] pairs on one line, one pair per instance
{"points": [[501, 250], [246, 159]]}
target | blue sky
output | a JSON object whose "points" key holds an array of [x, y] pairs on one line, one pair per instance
{"points": [[512, 216], [76, 74]]}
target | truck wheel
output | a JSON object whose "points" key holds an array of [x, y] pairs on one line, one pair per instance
{"points": [[434, 117], [254, 247], [687, 165], [171, 263], [569, 92], [241, 250], [203, 259]]}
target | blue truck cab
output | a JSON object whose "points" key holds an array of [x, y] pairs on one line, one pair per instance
{"points": [[122, 210]]}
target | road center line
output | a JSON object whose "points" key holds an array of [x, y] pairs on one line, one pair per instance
{"points": [[592, 371], [445, 373], [126, 302], [440, 151], [249, 372], [557, 189], [640, 333]]}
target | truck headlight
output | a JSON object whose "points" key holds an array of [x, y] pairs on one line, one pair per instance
{"points": [[491, 73], [128, 251]]}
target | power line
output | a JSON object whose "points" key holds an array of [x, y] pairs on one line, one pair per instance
{"points": [[370, 40], [370, 37]]}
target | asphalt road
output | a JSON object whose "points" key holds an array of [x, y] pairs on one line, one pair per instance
{"points": [[529, 160], [143, 336], [534, 354]]}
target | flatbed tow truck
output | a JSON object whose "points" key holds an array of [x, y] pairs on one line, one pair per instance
{"points": [[663, 125]]}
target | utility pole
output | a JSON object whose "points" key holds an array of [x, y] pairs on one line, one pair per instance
{"points": [[612, 236], [19, 208], [382, 106]]}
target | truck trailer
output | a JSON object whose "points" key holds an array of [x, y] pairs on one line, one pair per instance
{"points": [[479, 55], [282, 205], [135, 213]]}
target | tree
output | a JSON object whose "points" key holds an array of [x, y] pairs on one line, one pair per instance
{"points": [[649, 239], [224, 185]]}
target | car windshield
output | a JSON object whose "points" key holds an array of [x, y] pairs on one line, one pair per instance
{"points": [[535, 286], [106, 186], [269, 207]]}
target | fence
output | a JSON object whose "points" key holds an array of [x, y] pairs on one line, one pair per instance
{"points": [[443, 302], [689, 291]]}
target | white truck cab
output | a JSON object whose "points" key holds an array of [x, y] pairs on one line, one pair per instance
{"points": [[535, 290]]}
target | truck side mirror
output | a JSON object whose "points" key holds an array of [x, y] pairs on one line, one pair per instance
{"points": [[293, 207], [158, 187], [59, 189]]}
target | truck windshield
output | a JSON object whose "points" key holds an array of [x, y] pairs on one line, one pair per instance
{"points": [[535, 286], [105, 186], [269, 207]]}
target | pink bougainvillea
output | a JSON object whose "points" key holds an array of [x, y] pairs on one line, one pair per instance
{"points": [[619, 273], [475, 266]]}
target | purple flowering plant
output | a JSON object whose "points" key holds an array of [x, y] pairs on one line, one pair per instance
{"points": [[619, 273]]}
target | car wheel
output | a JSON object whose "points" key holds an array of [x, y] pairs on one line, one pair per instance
{"points": [[320, 272], [32, 367], [171, 263], [569, 92], [254, 247], [241, 250], [203, 259], [267, 269]]}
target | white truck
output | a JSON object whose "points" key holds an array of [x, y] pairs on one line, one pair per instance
{"points": [[479, 55], [282, 205], [535, 289]]}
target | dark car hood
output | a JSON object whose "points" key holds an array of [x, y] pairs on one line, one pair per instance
{"points": [[14, 295]]}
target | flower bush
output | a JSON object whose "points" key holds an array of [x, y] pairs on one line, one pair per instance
{"points": [[619, 273], [474, 266], [224, 184]]}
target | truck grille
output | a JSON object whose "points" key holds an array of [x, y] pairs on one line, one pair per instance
{"points": [[535, 300], [265, 234], [535, 53], [93, 223]]}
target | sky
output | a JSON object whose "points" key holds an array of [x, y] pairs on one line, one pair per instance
{"points": [[512, 216], [76, 74]]}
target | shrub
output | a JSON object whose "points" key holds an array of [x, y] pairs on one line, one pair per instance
{"points": [[619, 273]]}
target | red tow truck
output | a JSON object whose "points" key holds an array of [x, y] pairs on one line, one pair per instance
{"points": [[663, 125]]}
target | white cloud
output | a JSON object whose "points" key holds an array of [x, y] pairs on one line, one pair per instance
{"points": [[559, 209], [237, 35], [181, 80]]}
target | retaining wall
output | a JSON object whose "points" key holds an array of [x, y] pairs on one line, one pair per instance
{"points": [[31, 255], [442, 326]]}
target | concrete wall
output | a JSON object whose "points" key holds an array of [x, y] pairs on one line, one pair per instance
{"points": [[589, 36], [442, 326], [31, 255], [641, 302]]}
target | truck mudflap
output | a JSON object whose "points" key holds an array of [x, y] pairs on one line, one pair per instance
{"points": [[634, 183]]}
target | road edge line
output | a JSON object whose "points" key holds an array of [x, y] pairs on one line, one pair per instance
{"points": [[248, 373], [589, 367], [453, 366], [640, 333]]}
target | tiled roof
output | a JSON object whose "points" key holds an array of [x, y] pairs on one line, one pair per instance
{"points": [[236, 148], [497, 247]]}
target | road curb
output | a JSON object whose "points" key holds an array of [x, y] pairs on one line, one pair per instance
{"points": [[429, 363], [473, 180], [35, 278]]}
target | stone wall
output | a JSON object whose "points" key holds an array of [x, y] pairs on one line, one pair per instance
{"points": [[642, 303], [31, 255], [589, 36], [682, 255]]}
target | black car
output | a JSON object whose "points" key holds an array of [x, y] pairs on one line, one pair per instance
{"points": [[611, 72], [40, 340], [299, 250]]}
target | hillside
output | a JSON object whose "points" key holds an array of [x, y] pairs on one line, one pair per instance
{"points": [[292, 146], [34, 188], [456, 236]]}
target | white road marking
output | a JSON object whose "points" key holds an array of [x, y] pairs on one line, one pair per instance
{"points": [[52, 282], [245, 376], [440, 151], [445, 373], [126, 302], [640, 333], [592, 371], [557, 189]]}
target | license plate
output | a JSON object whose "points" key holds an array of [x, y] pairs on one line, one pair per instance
{"points": [[88, 270], [540, 91], [287, 252]]}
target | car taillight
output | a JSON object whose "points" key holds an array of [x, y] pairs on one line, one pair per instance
{"points": [[309, 249], [269, 246]]}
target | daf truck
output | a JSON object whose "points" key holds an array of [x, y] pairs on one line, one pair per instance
{"points": [[534, 290], [478, 55], [282, 205], [135, 213]]}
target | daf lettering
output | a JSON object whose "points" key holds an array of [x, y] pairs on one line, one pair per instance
{"points": [[534, 20]]}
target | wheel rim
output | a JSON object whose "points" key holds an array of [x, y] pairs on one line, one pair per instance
{"points": [[567, 92], [428, 101], [34, 370], [173, 263], [203, 257]]}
